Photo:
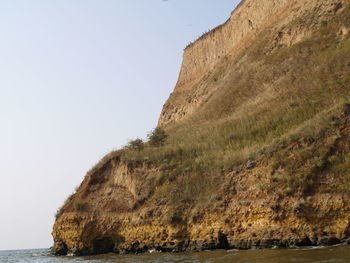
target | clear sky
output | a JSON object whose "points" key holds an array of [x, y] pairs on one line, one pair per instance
{"points": [[79, 78]]}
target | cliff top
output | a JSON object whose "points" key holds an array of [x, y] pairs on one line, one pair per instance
{"points": [[212, 31]]}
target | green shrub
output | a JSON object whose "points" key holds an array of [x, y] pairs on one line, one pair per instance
{"points": [[145, 159], [347, 107], [289, 191], [157, 137], [79, 205], [165, 177], [136, 145], [334, 159]]}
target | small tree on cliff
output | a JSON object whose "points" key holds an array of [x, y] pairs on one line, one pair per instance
{"points": [[157, 137], [136, 145]]}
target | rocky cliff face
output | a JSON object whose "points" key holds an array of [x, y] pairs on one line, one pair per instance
{"points": [[228, 40], [116, 218], [258, 151]]}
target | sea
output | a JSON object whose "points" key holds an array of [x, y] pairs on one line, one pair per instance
{"points": [[337, 254]]}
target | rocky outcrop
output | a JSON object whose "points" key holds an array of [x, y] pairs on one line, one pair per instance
{"points": [[244, 216], [248, 225]]}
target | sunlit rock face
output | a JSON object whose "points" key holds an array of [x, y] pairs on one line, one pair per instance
{"points": [[228, 40]]}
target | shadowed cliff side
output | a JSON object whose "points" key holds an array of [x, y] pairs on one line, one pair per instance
{"points": [[257, 153]]}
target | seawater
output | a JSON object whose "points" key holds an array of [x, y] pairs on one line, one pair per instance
{"points": [[338, 254]]}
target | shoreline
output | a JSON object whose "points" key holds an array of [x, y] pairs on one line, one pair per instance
{"points": [[276, 246]]}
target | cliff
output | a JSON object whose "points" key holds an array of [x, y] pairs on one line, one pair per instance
{"points": [[257, 153], [229, 40]]}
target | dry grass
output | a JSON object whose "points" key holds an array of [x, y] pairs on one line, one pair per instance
{"points": [[255, 107], [261, 102], [262, 98]]}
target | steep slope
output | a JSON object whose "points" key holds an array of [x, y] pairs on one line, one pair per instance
{"points": [[228, 41], [257, 153]]}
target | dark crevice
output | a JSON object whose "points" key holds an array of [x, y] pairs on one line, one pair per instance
{"points": [[103, 245], [222, 241], [62, 250]]}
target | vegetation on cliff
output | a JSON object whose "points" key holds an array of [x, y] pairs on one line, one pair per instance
{"points": [[263, 160], [240, 123]]}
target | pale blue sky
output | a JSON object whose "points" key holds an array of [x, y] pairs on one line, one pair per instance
{"points": [[79, 78]]}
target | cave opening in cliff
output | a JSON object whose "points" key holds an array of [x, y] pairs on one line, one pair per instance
{"points": [[62, 250], [222, 241], [103, 245]]}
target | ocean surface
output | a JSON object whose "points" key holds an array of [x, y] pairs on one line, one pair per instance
{"points": [[339, 254]]}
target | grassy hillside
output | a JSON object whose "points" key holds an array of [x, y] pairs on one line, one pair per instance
{"points": [[270, 95]]}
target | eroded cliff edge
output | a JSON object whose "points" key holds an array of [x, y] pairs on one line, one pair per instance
{"points": [[230, 39], [258, 150]]}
